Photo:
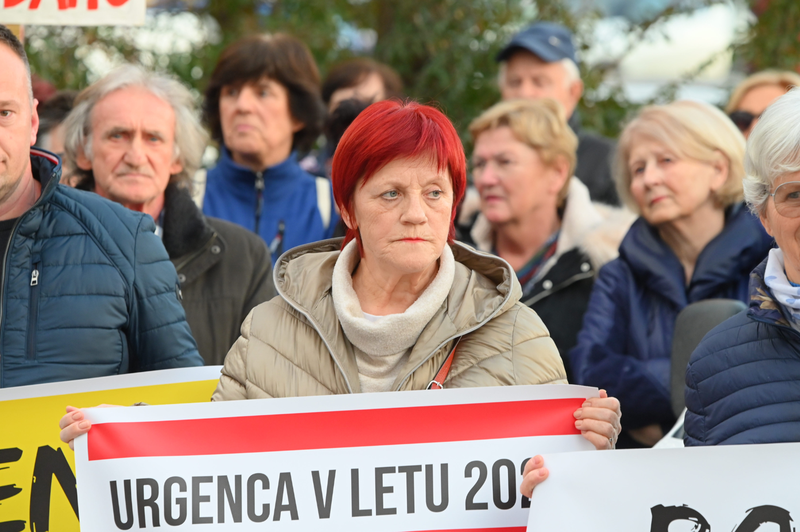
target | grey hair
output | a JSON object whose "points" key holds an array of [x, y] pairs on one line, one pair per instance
{"points": [[573, 73], [773, 149], [190, 137]]}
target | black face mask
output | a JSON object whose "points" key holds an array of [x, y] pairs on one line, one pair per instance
{"points": [[743, 119]]}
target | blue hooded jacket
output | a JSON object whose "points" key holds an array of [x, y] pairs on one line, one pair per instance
{"points": [[289, 196], [626, 340], [743, 380], [105, 300]]}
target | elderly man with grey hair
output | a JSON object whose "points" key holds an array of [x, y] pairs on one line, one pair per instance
{"points": [[135, 138], [87, 288], [540, 62], [743, 380]]}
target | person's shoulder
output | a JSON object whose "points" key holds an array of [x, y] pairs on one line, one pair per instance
{"points": [[236, 235], [90, 206], [738, 335], [517, 324]]}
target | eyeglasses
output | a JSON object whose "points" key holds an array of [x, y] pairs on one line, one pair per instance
{"points": [[787, 199], [743, 119]]}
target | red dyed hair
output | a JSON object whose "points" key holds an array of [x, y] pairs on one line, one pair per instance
{"points": [[390, 130]]}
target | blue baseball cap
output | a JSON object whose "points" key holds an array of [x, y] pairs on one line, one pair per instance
{"points": [[548, 41]]}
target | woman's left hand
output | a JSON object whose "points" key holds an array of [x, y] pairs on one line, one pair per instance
{"points": [[598, 419]]}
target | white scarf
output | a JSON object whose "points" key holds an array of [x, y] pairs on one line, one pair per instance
{"points": [[396, 332], [775, 278]]}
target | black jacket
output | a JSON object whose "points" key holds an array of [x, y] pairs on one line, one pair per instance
{"points": [[595, 154], [224, 270]]}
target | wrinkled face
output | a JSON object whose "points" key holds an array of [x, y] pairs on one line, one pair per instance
{"points": [[403, 215], [370, 89], [785, 230], [756, 101], [511, 178], [256, 121], [133, 146], [668, 189], [18, 122], [528, 77]]}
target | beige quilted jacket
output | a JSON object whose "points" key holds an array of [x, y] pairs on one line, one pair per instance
{"points": [[294, 346]]}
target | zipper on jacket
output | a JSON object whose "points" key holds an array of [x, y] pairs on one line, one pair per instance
{"points": [[33, 310], [259, 199]]}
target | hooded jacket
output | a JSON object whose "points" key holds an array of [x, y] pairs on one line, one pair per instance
{"points": [[224, 271], [626, 340], [106, 297], [589, 237], [281, 203], [743, 380], [294, 345]]}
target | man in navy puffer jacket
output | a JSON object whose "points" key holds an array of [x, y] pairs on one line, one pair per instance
{"points": [[87, 287], [743, 380]]}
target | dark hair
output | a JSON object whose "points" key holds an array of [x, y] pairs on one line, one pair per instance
{"points": [[352, 72], [390, 130], [10, 40], [340, 119], [54, 110], [279, 57]]}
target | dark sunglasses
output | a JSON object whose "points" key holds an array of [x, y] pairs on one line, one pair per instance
{"points": [[743, 119]]}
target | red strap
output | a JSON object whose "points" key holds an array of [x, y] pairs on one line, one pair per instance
{"points": [[438, 381]]}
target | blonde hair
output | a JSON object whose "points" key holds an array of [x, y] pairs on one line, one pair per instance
{"points": [[782, 78], [690, 130], [541, 124]]}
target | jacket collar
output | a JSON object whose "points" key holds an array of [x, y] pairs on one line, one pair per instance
{"points": [[483, 287], [728, 258], [232, 170], [763, 306], [46, 168], [185, 227]]}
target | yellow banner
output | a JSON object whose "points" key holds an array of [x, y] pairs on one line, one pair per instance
{"points": [[37, 470]]}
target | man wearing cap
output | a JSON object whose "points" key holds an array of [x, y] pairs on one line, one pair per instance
{"points": [[540, 62]]}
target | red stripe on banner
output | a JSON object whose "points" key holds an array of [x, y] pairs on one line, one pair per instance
{"points": [[329, 430], [503, 529]]}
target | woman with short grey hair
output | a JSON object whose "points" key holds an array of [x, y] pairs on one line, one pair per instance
{"points": [[743, 381]]}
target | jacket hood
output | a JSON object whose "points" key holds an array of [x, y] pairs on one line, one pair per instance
{"points": [[46, 168], [729, 257], [483, 287]]}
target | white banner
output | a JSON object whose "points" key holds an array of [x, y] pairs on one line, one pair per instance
{"points": [[741, 488], [74, 12], [395, 462]]}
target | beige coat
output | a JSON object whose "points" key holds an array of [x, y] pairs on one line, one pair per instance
{"points": [[294, 346]]}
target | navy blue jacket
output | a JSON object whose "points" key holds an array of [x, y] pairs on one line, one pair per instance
{"points": [[626, 340], [743, 380], [289, 195], [106, 298]]}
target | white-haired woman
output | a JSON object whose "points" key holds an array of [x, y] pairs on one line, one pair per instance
{"points": [[743, 381], [680, 166]]}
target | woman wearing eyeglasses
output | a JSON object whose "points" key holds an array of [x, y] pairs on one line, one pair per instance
{"points": [[743, 381], [755, 93], [680, 166]]}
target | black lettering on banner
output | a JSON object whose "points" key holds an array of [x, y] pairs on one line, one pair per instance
{"points": [[409, 470], [511, 476], [234, 498], [663, 516], [355, 505], [429, 495], [170, 519], [198, 499], [50, 463], [12, 454], [324, 504], [128, 523], [143, 502], [381, 490], [482, 474], [766, 514], [285, 487], [251, 498], [526, 502]]}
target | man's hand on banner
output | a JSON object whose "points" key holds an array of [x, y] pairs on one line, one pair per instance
{"points": [[598, 419], [74, 424]]}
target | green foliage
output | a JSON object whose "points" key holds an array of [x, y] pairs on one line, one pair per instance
{"points": [[774, 40]]}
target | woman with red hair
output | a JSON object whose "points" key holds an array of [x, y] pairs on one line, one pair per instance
{"points": [[397, 301]]}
